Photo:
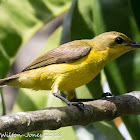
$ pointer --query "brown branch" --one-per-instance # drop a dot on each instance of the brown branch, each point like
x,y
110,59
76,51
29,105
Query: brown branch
x,y
54,118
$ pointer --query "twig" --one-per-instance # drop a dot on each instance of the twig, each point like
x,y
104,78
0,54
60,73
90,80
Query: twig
x,y
56,117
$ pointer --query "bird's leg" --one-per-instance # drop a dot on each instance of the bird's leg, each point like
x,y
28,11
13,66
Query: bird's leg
x,y
55,91
77,104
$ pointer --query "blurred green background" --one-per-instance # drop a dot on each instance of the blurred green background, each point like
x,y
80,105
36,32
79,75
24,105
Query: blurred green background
x,y
20,20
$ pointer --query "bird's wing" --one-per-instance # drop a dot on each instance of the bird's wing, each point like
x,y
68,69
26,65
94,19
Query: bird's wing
x,y
62,54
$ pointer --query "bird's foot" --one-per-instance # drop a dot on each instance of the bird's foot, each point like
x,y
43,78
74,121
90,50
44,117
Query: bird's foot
x,y
107,95
79,105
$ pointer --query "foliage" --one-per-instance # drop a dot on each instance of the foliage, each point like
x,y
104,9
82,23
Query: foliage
x,y
19,20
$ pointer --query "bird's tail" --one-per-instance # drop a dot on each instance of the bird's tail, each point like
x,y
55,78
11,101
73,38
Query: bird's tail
x,y
5,81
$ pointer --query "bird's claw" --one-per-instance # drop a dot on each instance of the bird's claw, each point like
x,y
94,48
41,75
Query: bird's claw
x,y
79,105
107,95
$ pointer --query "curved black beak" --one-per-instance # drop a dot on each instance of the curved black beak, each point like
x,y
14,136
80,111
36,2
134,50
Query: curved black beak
x,y
135,45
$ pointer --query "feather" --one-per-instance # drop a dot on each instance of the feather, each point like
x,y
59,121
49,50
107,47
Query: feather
x,y
62,54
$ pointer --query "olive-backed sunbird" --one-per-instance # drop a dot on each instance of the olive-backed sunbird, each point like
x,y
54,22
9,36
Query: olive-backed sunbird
x,y
72,64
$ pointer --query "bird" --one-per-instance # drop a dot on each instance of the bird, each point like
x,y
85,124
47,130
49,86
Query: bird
x,y
71,65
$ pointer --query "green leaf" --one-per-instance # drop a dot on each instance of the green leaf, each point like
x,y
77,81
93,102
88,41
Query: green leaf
x,y
66,32
135,10
122,73
109,129
29,100
19,20
89,132
17,25
84,20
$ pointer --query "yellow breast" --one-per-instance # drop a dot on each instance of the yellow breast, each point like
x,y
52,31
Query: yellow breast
x,y
82,71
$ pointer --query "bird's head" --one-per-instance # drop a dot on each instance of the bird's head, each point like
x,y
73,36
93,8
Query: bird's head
x,y
115,43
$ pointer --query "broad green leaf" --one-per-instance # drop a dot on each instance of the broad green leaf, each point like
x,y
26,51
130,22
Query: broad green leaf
x,y
66,32
29,100
52,42
122,73
109,129
19,20
84,20
89,132
135,11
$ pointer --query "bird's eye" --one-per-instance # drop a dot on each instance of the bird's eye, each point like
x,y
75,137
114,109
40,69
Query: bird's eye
x,y
119,40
